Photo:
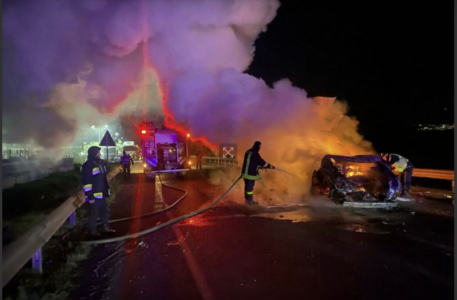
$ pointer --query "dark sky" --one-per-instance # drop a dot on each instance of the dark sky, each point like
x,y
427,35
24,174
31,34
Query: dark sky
x,y
393,64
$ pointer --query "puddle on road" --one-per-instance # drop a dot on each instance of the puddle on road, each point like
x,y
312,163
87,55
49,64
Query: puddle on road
x,y
335,217
359,228
294,216
286,205
294,213
208,221
401,199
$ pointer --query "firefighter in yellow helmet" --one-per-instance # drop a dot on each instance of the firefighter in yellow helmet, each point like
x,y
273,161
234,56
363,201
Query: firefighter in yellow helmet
x,y
405,169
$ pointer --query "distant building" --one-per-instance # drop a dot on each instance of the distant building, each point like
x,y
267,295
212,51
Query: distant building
x,y
25,151
435,127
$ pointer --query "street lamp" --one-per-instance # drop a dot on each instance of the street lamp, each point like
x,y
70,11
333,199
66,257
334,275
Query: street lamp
x,y
82,148
187,147
99,131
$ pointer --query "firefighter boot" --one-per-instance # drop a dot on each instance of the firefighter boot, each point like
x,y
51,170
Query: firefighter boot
x,y
94,235
107,229
252,202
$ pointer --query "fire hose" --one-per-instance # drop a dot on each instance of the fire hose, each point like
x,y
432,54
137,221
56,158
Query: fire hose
x,y
160,226
168,223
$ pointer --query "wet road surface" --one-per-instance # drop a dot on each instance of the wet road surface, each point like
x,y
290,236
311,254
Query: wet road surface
x,y
315,250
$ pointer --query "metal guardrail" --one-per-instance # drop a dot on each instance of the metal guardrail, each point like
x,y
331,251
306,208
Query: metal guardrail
x,y
423,173
28,246
220,160
435,174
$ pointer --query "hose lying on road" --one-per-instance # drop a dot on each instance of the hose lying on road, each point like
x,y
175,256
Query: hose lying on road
x,y
155,228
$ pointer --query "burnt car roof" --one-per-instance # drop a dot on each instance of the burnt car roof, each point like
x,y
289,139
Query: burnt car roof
x,y
328,166
356,158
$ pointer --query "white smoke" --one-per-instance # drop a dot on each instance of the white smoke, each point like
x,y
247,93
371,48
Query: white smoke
x,y
194,54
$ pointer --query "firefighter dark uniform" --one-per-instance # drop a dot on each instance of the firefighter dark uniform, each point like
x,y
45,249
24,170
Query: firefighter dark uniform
x,y
405,169
125,161
96,190
250,171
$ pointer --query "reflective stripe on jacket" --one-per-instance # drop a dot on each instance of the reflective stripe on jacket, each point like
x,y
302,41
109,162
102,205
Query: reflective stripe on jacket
x,y
399,162
125,159
93,178
251,164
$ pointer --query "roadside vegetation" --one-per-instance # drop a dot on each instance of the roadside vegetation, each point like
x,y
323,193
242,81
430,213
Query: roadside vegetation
x,y
61,260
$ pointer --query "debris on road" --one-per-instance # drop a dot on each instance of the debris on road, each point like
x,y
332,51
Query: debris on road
x,y
179,241
143,244
370,204
401,199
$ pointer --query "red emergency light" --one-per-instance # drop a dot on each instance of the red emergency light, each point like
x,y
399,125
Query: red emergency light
x,y
143,131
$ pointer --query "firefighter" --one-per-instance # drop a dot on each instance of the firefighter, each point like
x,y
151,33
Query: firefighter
x,y
405,169
199,156
96,190
250,171
125,162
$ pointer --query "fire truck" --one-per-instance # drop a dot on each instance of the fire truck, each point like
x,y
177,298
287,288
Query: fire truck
x,y
163,150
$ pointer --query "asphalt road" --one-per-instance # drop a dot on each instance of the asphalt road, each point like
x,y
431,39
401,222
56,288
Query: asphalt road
x,y
316,250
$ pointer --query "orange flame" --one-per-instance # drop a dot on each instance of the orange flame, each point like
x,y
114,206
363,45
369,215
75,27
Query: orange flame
x,y
353,171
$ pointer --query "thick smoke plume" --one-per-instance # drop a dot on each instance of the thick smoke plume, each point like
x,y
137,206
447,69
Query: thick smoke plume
x,y
73,63
64,70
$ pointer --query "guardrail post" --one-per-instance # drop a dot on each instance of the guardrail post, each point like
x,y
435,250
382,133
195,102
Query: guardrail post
x,y
72,219
29,245
37,263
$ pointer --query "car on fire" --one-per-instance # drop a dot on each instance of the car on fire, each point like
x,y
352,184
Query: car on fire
x,y
355,178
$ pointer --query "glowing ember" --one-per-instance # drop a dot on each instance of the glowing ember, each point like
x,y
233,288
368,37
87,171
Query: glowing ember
x,y
353,171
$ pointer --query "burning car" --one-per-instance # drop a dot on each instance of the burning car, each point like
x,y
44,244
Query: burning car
x,y
355,178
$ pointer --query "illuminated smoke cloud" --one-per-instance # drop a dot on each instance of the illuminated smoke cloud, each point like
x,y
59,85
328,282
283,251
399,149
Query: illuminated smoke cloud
x,y
72,63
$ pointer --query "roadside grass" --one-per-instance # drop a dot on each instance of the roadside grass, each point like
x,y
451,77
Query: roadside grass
x,y
61,261
39,195
26,205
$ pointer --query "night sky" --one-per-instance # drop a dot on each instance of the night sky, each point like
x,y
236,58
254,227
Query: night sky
x,y
393,65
